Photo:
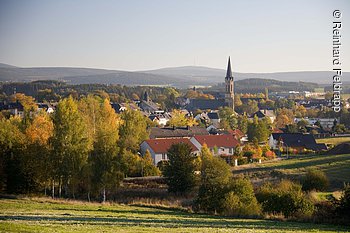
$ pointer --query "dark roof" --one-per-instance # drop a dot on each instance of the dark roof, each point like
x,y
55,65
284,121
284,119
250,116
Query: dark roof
x,y
264,113
177,132
204,104
213,115
13,105
299,140
162,145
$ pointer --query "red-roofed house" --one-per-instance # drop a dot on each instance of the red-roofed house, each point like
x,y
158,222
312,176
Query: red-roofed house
x,y
159,147
225,143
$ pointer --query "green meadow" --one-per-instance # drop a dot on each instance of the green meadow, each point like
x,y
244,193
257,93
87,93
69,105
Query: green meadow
x,y
45,215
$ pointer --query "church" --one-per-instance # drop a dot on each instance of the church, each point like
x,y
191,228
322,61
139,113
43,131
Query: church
x,y
215,104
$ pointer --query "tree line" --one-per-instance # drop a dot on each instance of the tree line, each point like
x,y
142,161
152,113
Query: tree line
x,y
83,149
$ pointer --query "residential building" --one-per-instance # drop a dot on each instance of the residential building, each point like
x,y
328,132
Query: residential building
x,y
159,147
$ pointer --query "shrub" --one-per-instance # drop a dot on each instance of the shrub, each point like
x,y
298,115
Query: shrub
x,y
315,180
344,204
241,200
270,154
285,197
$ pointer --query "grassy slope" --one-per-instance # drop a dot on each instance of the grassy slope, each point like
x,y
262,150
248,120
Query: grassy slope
x,y
336,167
334,141
43,215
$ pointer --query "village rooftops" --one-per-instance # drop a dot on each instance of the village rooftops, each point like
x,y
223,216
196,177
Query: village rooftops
x,y
177,132
222,140
163,145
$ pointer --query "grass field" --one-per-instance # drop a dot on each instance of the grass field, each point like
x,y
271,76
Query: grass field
x,y
334,141
336,167
46,215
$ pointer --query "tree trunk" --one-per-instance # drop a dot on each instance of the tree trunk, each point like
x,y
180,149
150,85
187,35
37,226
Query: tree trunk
x,y
89,196
60,188
53,189
104,195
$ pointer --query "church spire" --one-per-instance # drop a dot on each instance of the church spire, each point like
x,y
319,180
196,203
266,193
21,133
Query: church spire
x,y
229,71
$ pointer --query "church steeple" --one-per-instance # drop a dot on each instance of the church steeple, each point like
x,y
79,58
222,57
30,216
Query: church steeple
x,y
229,85
229,71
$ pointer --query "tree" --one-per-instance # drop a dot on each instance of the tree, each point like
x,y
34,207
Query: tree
x,y
258,130
12,143
215,177
104,158
39,155
180,170
315,180
70,144
148,168
133,130
243,123
178,119
228,118
241,200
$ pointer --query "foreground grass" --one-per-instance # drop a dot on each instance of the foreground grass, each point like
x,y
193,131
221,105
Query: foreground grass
x,y
43,215
336,167
334,141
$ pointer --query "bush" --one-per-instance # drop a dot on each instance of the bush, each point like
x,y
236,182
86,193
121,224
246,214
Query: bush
x,y
315,180
240,200
285,197
344,204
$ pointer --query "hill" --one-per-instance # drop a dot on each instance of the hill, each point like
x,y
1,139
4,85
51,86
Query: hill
x,y
181,77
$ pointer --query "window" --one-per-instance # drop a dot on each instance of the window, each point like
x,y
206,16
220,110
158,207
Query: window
x,y
230,151
163,156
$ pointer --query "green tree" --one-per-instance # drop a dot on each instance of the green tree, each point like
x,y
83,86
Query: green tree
x,y
133,130
228,118
258,130
215,178
148,168
241,200
180,170
104,158
70,144
243,123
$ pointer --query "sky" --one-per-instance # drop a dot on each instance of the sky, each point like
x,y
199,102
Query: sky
x,y
134,35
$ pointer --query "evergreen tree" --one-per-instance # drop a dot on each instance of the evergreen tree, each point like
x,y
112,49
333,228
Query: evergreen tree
x,y
180,170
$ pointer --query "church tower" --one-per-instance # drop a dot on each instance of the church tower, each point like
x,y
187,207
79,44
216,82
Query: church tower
x,y
229,93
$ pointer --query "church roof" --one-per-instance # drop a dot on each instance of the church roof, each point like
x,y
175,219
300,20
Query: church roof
x,y
229,71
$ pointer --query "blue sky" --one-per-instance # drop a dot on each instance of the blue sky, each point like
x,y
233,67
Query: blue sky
x,y
260,36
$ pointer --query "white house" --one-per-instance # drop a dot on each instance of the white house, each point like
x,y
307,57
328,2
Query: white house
x,y
159,147
225,144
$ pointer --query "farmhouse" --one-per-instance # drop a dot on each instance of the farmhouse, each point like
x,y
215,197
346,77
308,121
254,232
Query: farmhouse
x,y
261,114
296,141
159,147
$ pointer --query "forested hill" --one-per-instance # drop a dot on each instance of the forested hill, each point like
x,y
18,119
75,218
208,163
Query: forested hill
x,y
180,77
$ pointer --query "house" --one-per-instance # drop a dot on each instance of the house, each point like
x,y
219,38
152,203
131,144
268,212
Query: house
x,y
326,123
214,119
160,119
14,108
261,114
121,107
222,144
297,141
177,132
159,147
45,107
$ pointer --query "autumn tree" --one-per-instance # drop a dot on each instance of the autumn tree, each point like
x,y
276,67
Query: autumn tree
x,y
70,144
133,130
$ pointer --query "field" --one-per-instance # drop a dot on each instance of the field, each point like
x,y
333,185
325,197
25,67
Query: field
x,y
336,168
46,215
334,141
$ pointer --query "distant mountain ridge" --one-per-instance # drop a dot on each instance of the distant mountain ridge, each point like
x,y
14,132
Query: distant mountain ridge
x,y
181,77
